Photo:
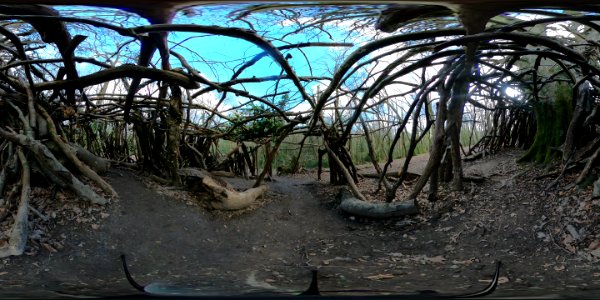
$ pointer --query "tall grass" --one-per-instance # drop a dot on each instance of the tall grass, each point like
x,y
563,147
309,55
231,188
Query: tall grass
x,y
357,146
289,149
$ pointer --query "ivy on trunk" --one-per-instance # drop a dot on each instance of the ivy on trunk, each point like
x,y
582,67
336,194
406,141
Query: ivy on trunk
x,y
552,120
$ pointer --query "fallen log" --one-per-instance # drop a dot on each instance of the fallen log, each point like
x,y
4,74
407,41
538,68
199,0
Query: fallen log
x,y
377,210
99,164
228,199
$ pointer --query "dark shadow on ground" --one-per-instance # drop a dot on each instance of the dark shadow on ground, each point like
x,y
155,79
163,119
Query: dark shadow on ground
x,y
275,246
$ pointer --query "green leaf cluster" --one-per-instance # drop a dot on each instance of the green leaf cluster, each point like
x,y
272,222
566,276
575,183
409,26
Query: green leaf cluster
x,y
255,122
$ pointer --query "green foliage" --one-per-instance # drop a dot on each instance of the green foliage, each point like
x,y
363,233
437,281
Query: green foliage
x,y
469,135
357,147
255,122
288,153
224,146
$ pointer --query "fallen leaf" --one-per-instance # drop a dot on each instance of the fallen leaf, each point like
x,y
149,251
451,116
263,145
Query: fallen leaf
x,y
503,280
444,229
95,226
596,252
571,248
559,268
594,245
454,237
464,262
58,245
380,276
436,259
49,248
567,243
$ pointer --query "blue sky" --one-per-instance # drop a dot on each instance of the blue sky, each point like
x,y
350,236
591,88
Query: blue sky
x,y
230,52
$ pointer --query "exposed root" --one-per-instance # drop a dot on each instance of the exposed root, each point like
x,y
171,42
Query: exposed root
x,y
18,234
53,168
70,154
228,199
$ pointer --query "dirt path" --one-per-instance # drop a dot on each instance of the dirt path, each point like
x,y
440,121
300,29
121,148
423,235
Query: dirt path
x,y
299,229
417,164
165,239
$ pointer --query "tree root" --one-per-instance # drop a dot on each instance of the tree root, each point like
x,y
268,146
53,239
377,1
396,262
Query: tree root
x,y
67,150
227,199
588,166
53,168
18,234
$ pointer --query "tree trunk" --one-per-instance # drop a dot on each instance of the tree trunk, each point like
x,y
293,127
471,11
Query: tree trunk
x,y
391,192
271,155
174,120
579,113
249,162
437,148
335,161
99,164
320,154
552,120
337,171
145,143
460,95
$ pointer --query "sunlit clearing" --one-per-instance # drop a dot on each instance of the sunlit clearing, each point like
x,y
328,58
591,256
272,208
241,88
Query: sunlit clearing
x,y
512,92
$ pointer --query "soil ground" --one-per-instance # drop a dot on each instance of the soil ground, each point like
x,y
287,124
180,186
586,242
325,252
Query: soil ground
x,y
451,248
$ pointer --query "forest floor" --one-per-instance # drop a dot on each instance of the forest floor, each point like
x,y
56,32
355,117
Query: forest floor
x,y
546,240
